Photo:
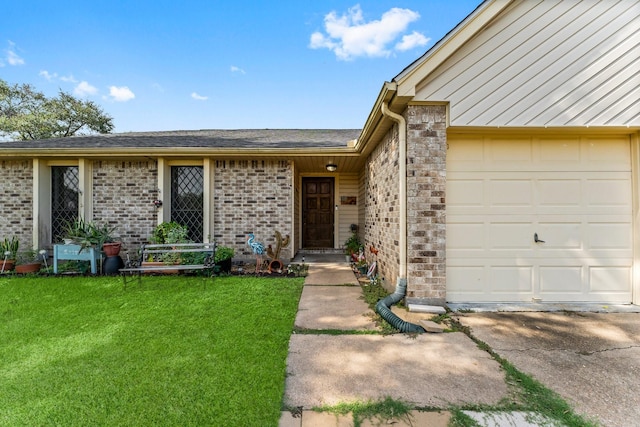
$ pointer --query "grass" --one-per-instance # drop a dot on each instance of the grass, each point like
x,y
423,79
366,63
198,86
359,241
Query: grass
x,y
371,294
186,351
385,411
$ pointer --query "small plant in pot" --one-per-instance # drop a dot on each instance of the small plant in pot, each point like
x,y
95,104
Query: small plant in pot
x,y
223,258
28,262
8,252
352,247
167,233
88,234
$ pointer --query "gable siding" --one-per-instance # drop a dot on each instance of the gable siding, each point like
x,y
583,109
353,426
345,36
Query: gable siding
x,y
546,63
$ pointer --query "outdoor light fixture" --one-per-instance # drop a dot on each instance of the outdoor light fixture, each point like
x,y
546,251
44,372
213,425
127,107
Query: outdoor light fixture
x,y
331,167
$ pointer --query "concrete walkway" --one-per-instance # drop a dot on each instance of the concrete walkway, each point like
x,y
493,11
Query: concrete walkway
x,y
428,370
590,359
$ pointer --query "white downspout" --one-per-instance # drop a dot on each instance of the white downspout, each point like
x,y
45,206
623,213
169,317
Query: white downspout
x,y
402,175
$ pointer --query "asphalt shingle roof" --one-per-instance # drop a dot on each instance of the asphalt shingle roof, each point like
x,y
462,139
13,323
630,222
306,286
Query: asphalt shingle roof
x,y
240,138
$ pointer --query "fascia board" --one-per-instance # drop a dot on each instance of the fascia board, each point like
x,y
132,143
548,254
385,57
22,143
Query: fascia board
x,y
173,152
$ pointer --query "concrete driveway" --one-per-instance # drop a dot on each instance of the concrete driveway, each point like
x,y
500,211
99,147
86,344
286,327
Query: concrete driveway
x,y
591,359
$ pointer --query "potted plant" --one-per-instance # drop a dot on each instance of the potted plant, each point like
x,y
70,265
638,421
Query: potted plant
x,y
88,234
8,252
28,262
167,233
352,246
223,257
362,266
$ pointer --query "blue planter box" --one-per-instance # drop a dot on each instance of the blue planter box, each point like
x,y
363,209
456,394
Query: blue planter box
x,y
73,252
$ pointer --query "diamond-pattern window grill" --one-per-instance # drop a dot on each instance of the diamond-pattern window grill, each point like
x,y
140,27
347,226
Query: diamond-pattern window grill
x,y
64,198
187,199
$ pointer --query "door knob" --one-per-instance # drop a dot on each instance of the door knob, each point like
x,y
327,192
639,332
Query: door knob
x,y
535,238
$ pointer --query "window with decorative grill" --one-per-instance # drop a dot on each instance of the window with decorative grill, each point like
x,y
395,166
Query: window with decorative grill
x,y
187,199
64,198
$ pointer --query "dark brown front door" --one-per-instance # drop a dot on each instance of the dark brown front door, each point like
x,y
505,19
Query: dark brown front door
x,y
317,212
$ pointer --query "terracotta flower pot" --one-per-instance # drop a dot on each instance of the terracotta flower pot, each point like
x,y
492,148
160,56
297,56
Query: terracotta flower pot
x,y
111,249
32,267
8,264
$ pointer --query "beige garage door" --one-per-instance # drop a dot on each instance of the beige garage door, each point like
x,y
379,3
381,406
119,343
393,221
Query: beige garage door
x,y
572,194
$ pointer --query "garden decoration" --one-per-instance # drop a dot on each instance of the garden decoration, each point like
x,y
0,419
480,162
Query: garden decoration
x,y
43,253
276,263
257,248
4,262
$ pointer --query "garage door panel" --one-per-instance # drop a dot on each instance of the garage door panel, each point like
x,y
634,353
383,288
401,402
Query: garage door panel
x,y
610,280
609,236
609,193
509,152
574,193
510,193
607,153
508,280
561,151
466,236
478,281
470,279
465,193
509,236
560,235
570,276
559,193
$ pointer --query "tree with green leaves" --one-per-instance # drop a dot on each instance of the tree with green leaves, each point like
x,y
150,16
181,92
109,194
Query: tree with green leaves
x,y
26,114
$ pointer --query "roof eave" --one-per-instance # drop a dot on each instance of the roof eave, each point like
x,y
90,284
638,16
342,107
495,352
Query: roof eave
x,y
154,152
401,91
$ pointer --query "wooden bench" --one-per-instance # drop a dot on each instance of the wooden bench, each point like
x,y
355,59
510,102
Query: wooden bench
x,y
166,253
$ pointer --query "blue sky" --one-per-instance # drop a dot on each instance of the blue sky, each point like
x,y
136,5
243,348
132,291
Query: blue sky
x,y
243,64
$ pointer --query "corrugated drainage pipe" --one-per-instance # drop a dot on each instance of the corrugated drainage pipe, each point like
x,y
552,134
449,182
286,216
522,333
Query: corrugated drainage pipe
x,y
383,309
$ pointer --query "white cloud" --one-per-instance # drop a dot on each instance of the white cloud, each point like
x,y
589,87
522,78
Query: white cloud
x,y
235,69
121,94
11,56
199,97
412,40
349,36
47,75
54,76
84,89
68,78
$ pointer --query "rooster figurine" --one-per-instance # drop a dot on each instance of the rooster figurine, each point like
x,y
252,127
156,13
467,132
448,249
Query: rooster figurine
x,y
258,250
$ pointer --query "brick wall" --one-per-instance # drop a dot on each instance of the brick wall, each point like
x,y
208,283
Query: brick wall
x,y
16,208
382,207
252,196
426,185
123,195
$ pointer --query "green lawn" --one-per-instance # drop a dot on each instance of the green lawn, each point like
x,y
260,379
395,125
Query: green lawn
x,y
78,351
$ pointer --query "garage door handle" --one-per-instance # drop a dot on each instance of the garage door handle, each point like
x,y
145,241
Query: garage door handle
x,y
535,238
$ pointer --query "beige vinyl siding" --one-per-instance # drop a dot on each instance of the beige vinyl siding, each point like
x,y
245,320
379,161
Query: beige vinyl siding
x,y
347,214
546,63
